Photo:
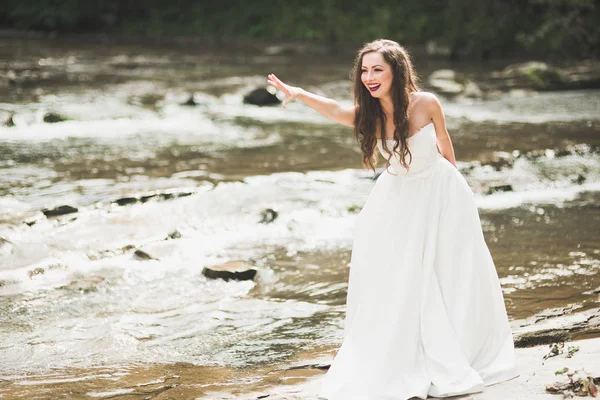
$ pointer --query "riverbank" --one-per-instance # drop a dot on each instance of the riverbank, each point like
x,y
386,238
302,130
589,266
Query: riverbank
x,y
295,381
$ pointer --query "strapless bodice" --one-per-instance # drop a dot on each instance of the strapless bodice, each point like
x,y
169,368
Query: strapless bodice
x,y
423,148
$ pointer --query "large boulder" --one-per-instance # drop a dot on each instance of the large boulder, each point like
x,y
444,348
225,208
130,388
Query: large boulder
x,y
235,270
531,75
261,97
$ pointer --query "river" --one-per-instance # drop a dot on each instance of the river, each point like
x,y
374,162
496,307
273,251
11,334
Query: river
x,y
79,312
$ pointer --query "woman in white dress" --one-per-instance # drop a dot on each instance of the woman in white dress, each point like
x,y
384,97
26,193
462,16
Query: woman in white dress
x,y
425,314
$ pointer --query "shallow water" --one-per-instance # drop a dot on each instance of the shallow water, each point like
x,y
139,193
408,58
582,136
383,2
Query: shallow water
x,y
77,306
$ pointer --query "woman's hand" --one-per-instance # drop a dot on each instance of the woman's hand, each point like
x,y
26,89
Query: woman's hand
x,y
291,92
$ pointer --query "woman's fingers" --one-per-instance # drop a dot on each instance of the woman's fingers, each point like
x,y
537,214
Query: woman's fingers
x,y
278,84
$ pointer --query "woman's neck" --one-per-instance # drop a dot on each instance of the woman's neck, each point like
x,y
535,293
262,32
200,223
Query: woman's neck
x,y
388,106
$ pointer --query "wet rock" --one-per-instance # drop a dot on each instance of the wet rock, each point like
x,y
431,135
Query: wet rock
x,y
198,100
543,337
189,102
33,220
174,235
584,75
126,201
310,366
35,272
261,97
52,118
146,100
267,216
9,122
6,246
579,179
502,161
235,270
445,82
165,196
562,328
98,255
472,90
354,209
532,74
500,188
535,154
143,256
60,210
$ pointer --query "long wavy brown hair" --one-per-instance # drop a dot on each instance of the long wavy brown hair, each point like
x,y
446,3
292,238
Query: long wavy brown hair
x,y
369,120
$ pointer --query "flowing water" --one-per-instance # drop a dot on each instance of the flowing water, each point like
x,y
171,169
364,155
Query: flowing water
x,y
80,314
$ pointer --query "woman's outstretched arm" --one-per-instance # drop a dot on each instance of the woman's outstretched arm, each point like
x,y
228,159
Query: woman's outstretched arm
x,y
327,107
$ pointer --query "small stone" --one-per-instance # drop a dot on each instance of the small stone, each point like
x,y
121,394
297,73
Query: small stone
x,y
174,235
142,256
235,270
268,215
60,210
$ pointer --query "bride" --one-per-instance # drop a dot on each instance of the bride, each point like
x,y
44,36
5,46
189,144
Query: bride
x,y
425,314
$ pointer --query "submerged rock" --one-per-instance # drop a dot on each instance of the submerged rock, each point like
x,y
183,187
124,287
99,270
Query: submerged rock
x,y
261,97
267,216
60,210
235,270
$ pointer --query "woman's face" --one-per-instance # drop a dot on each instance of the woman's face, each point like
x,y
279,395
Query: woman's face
x,y
376,74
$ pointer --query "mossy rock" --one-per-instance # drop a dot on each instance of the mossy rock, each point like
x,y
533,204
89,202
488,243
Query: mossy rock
x,y
538,338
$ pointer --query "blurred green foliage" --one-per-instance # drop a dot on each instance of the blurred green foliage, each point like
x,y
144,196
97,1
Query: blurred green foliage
x,y
481,28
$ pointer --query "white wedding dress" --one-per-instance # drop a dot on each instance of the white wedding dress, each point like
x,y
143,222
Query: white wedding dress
x,y
425,313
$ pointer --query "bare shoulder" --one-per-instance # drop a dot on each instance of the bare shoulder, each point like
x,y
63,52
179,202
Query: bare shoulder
x,y
426,99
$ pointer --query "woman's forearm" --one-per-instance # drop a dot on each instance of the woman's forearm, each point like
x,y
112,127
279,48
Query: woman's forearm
x,y
446,149
327,107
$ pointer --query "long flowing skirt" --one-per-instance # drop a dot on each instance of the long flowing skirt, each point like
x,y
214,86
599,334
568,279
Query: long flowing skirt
x,y
425,311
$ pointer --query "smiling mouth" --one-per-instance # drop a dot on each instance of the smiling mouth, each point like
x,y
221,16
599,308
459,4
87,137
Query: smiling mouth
x,y
373,88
